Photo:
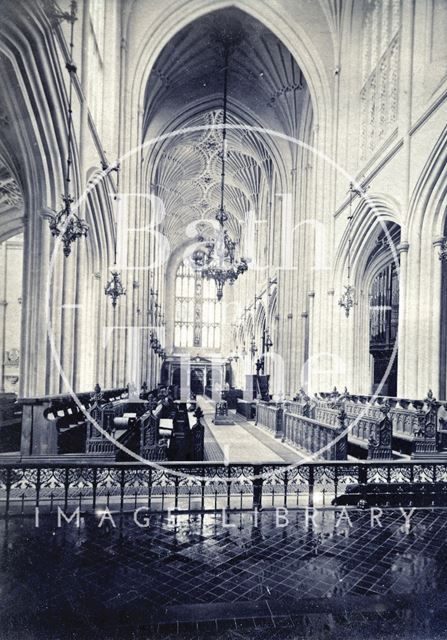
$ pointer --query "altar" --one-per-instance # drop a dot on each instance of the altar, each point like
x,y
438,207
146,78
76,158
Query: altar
x,y
196,375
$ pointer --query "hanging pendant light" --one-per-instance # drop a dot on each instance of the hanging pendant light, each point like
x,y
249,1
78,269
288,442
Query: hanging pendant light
x,y
66,224
347,300
115,288
268,342
219,263
253,347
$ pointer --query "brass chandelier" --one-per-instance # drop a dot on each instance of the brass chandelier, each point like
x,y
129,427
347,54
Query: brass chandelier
x,y
216,260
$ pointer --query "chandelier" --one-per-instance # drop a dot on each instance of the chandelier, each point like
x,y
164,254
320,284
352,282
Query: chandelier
x,y
217,260
253,347
114,287
66,224
268,342
347,300
443,250
157,347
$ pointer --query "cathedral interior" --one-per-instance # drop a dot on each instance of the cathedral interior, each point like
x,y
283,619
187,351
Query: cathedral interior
x,y
223,319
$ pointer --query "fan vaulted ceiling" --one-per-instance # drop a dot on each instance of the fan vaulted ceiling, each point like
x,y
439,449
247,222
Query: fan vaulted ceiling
x,y
184,95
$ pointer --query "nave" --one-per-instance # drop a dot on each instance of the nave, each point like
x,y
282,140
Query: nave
x,y
223,345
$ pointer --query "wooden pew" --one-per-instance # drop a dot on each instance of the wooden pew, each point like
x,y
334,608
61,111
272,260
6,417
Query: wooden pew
x,y
10,423
57,425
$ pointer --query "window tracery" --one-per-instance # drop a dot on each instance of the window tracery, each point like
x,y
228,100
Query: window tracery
x,y
197,312
380,55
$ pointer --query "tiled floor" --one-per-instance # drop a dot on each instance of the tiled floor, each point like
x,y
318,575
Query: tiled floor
x,y
193,577
212,451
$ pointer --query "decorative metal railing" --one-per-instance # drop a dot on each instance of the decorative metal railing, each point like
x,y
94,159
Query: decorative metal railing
x,y
199,486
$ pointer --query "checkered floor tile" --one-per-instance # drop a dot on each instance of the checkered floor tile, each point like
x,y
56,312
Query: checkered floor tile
x,y
193,577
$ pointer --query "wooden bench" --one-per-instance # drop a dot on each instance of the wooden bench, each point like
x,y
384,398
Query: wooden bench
x,y
327,441
10,423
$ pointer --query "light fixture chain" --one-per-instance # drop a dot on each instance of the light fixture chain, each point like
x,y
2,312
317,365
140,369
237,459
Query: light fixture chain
x,y
66,224
71,68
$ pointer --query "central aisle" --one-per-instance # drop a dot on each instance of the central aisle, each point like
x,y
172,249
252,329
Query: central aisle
x,y
236,443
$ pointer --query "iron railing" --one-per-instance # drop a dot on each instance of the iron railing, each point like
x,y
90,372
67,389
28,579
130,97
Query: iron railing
x,y
198,486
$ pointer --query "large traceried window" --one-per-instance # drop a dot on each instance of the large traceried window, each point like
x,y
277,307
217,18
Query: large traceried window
x,y
380,60
197,312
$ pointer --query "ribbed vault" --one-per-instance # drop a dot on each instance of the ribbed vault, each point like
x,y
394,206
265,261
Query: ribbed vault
x,y
184,98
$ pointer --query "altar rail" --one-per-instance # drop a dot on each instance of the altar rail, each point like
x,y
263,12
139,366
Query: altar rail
x,y
200,486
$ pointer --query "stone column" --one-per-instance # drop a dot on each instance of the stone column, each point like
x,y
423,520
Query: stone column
x,y
3,305
82,282
408,329
435,334
290,361
312,382
402,326
35,364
